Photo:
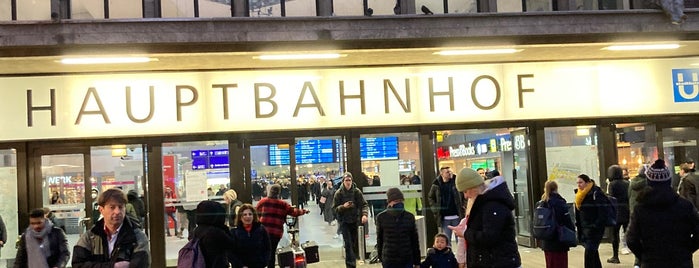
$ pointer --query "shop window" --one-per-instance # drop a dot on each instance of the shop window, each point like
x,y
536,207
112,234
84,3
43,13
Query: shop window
x,y
212,9
463,6
9,206
192,172
63,191
680,146
636,145
266,8
571,151
185,8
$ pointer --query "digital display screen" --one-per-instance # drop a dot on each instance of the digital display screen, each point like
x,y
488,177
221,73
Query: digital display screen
x,y
209,159
379,148
307,152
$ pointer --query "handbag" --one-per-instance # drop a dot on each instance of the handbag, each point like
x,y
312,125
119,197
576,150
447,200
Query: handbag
x,y
567,236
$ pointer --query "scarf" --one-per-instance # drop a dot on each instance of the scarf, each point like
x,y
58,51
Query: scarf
x,y
36,248
580,195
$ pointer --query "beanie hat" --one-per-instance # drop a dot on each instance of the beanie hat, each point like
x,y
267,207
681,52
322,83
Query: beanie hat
x,y
467,179
658,172
211,213
394,194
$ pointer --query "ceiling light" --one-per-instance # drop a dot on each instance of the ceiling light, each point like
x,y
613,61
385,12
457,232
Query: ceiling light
x,y
642,47
97,60
477,51
299,56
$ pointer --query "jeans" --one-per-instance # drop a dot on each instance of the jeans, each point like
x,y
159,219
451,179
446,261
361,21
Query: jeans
x,y
448,231
349,237
175,222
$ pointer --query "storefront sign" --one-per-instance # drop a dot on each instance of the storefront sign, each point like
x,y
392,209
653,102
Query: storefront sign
x,y
109,105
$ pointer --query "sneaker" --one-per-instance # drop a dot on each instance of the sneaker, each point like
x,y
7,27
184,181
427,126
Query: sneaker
x,y
336,236
613,260
625,251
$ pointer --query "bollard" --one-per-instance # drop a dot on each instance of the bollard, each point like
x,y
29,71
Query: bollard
x,y
361,243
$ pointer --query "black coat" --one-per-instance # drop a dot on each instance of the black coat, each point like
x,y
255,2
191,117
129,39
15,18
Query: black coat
x,y
251,249
216,244
58,243
664,229
439,259
491,230
588,218
396,237
619,188
563,218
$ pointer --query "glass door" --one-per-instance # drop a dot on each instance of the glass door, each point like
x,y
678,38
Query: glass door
x,y
680,146
520,185
270,163
60,177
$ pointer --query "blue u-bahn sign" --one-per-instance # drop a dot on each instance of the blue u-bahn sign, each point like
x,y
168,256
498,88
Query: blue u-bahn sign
x,y
685,85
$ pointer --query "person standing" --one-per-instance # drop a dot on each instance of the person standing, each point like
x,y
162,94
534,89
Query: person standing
x,y
396,234
230,197
637,186
326,202
273,212
42,244
215,240
351,210
689,185
252,246
170,211
589,200
664,229
555,252
490,235
113,231
446,202
619,189
3,234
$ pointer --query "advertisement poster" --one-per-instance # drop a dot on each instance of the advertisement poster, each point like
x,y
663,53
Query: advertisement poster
x,y
195,185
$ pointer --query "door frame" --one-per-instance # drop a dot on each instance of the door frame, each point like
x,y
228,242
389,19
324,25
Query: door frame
x,y
247,165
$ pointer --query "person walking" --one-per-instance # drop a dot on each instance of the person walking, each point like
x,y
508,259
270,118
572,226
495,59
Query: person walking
x,y
215,240
637,186
396,234
252,246
589,200
491,235
326,203
351,210
618,188
446,202
113,231
273,212
42,244
664,229
555,252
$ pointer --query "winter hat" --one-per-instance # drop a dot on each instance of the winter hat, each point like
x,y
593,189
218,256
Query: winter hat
x,y
467,179
658,172
615,173
394,194
211,213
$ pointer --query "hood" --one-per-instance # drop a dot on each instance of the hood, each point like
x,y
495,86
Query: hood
x,y
132,195
615,173
211,213
638,183
659,197
497,190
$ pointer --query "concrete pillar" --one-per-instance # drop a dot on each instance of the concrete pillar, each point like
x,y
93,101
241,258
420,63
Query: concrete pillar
x,y
407,7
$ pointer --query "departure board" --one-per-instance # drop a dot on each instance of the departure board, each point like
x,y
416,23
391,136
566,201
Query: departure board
x,y
307,152
379,148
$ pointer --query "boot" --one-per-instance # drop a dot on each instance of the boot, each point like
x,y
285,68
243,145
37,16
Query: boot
x,y
614,259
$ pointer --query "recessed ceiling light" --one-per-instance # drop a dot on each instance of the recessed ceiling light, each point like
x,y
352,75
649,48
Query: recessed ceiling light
x,y
299,56
477,51
642,47
106,60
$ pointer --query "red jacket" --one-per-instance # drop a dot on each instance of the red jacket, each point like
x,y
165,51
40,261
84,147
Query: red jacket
x,y
273,214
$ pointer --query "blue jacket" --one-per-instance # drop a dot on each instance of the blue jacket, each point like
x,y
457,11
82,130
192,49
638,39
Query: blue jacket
x,y
251,249
439,259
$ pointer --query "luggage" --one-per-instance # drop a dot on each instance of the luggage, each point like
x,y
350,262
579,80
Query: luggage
x,y
311,250
291,257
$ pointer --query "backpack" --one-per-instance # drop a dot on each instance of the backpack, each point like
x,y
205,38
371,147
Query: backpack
x,y
544,225
191,256
609,207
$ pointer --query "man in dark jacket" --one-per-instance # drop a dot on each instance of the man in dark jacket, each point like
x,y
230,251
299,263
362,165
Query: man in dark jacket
x,y
619,189
396,233
446,202
490,235
351,210
664,229
113,241
42,244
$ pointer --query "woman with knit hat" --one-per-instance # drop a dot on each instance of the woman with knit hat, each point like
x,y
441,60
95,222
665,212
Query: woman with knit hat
x,y
490,236
589,202
664,228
